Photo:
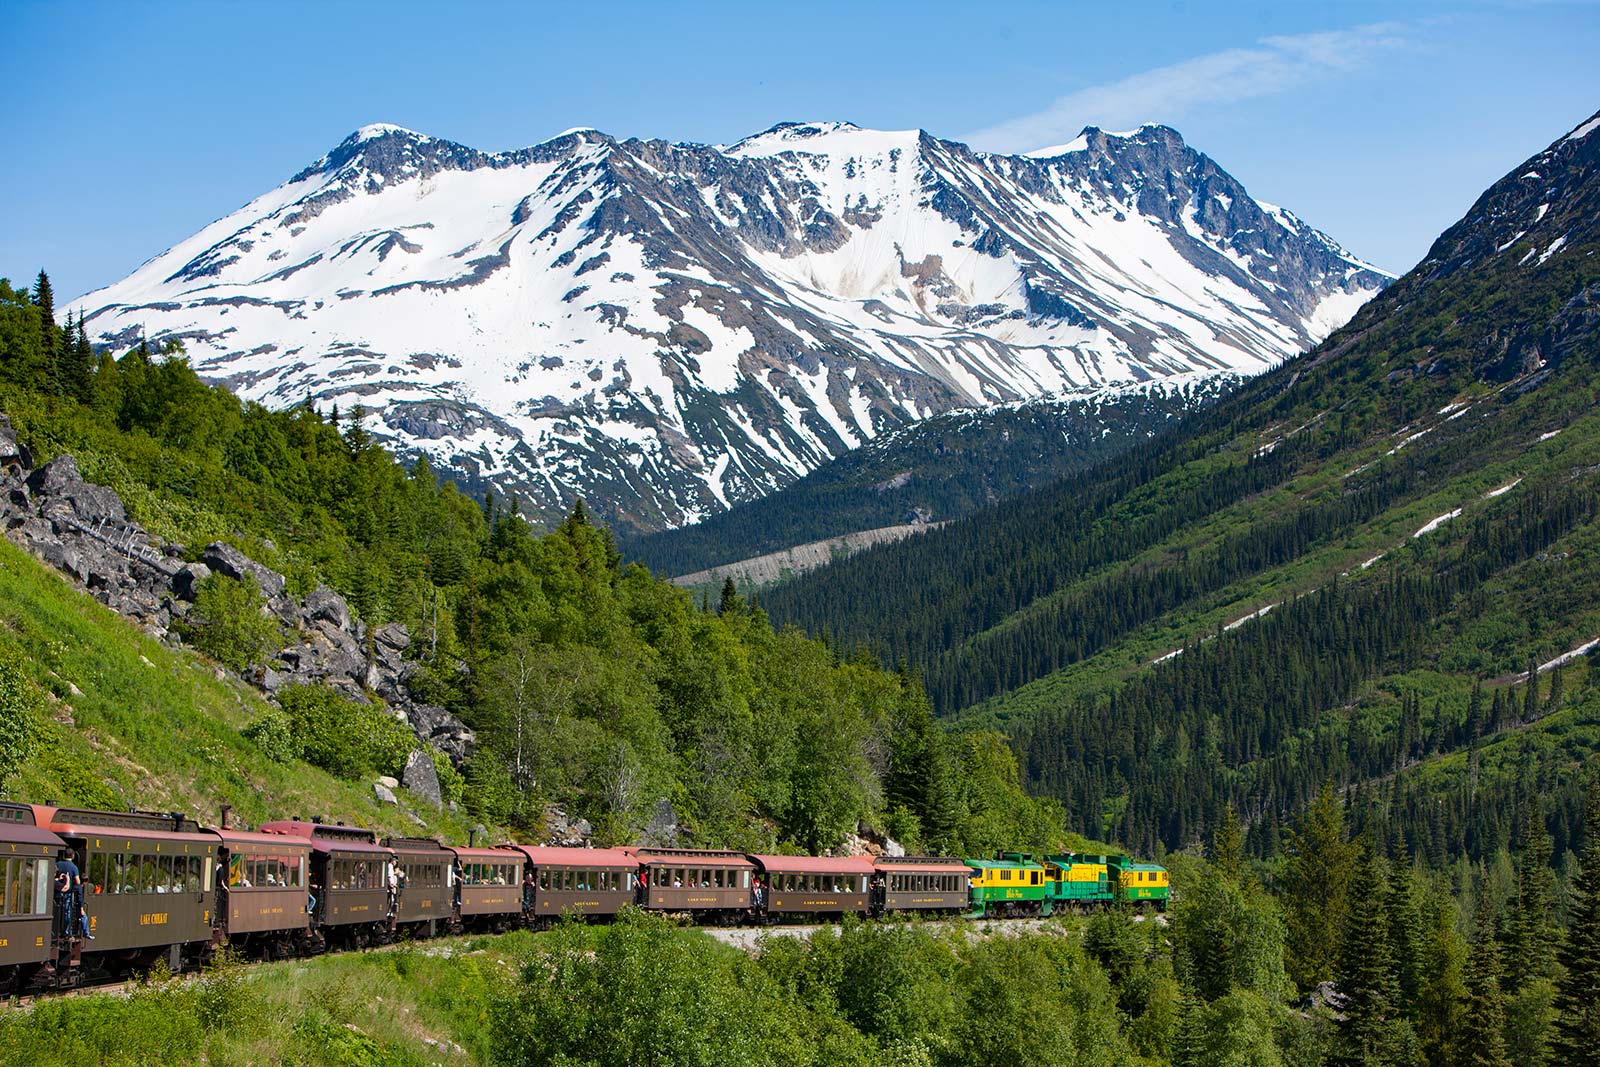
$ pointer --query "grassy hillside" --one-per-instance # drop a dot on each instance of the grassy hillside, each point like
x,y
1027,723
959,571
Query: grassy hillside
x,y
1311,579
124,721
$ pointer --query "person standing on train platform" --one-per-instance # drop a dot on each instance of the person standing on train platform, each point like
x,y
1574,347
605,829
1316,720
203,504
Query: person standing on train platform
x,y
69,893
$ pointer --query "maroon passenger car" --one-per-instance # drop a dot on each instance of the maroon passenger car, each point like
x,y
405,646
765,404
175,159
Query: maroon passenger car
x,y
147,884
922,883
705,883
813,885
589,881
488,887
347,880
423,900
263,891
27,866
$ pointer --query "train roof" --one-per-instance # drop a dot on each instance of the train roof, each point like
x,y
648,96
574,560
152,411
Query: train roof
x,y
415,845
326,837
136,825
235,838
815,864
1008,865
20,833
497,855
552,856
923,864
690,857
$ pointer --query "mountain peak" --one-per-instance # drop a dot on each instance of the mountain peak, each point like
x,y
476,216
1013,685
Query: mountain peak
x,y
823,138
1095,137
668,329
374,130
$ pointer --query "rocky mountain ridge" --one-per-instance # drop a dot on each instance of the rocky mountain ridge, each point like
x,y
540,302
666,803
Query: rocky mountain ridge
x,y
667,330
83,531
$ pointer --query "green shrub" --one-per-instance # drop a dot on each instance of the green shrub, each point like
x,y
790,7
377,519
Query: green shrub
x,y
273,734
228,622
344,737
19,717
451,783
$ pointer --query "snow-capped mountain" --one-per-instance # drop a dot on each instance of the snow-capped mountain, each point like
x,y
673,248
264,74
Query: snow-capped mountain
x,y
669,329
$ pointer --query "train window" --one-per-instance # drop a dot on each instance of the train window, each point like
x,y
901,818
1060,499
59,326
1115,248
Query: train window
x,y
544,878
11,880
17,875
97,878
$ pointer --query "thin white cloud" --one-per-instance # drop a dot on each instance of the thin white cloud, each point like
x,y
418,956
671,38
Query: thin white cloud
x,y
1167,94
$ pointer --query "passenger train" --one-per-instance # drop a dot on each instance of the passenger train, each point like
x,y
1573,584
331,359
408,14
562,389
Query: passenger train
x,y
161,888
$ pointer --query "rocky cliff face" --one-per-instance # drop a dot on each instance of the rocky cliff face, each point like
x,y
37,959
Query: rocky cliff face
x,y
83,531
670,329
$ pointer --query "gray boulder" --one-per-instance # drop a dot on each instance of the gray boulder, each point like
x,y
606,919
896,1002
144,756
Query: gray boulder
x,y
94,504
393,635
384,794
186,583
323,604
225,559
422,778
12,453
57,478
663,829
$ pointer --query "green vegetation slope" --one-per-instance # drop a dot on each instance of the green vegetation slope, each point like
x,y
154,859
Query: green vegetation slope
x,y
1312,579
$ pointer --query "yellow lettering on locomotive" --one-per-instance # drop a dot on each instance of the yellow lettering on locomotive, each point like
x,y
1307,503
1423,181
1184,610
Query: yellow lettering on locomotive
x,y
153,918
5,942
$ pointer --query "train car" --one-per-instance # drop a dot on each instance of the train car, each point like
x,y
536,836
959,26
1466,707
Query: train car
x,y
423,901
1145,884
1011,884
709,884
921,883
263,895
347,881
1077,881
585,881
29,951
812,885
147,885
489,888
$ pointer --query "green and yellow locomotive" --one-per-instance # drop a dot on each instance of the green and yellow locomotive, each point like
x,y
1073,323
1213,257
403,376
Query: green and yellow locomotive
x,y
1014,883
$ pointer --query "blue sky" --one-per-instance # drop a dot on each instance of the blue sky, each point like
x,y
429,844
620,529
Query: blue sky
x,y
132,125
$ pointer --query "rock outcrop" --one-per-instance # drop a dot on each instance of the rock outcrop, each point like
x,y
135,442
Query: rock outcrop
x,y
83,530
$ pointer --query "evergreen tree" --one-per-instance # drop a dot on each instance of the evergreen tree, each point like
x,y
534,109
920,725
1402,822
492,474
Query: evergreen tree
x,y
1482,1040
1367,1035
44,298
1532,932
1227,847
1405,929
47,380
1439,1003
79,366
731,602
1316,881
1576,1042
